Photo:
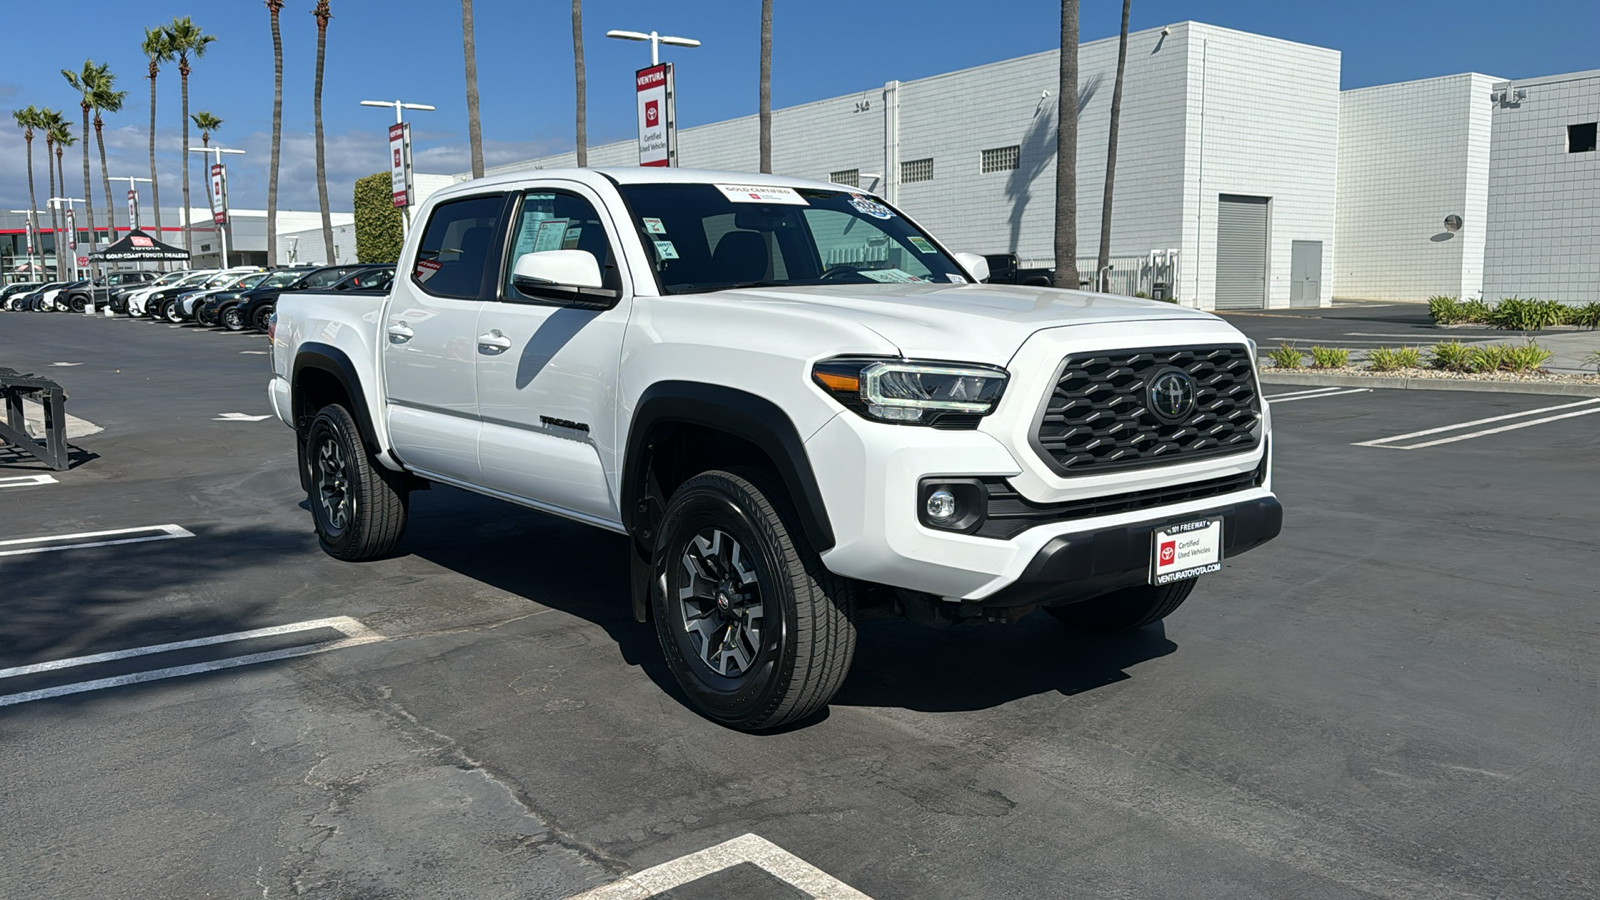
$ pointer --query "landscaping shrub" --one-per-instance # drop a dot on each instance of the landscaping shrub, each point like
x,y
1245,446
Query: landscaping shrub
x,y
1452,356
1587,315
1527,358
1329,358
378,229
1593,359
1389,359
1527,314
1286,357
1486,357
1445,310
1477,312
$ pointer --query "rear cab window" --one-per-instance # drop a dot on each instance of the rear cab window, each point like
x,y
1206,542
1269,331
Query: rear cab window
x,y
456,247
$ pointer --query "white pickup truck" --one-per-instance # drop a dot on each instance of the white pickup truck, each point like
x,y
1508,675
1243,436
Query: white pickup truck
x,y
798,404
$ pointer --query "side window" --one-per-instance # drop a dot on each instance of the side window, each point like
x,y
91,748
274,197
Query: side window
x,y
455,247
549,220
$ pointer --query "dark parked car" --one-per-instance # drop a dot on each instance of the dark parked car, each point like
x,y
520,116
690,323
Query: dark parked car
x,y
223,308
100,292
373,280
1004,268
34,299
255,307
17,290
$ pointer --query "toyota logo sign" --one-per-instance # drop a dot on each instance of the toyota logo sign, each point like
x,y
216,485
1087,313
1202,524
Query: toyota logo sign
x,y
1172,395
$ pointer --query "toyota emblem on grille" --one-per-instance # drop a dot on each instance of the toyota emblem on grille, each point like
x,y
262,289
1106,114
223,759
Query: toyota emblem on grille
x,y
1172,395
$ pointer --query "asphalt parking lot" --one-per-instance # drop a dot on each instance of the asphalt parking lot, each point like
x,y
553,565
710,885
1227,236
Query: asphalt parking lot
x,y
1397,698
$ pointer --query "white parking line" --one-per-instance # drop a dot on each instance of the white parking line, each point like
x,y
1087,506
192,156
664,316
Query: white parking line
x,y
1291,399
750,848
240,417
27,481
1388,443
1305,393
354,633
160,533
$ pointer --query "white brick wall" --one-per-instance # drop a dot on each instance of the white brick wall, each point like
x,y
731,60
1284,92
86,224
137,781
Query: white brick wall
x,y
1544,203
1269,121
1409,155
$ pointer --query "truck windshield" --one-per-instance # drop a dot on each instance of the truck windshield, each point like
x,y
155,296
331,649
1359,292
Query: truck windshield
x,y
709,237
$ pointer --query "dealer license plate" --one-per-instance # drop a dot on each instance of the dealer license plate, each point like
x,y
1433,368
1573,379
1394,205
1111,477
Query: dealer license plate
x,y
1186,551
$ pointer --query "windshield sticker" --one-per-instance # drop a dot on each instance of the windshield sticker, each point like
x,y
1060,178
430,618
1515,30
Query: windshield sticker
x,y
427,268
869,207
570,242
654,226
551,231
892,276
921,244
665,250
956,279
761,193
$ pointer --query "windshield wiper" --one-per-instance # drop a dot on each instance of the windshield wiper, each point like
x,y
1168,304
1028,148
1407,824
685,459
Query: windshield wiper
x,y
720,286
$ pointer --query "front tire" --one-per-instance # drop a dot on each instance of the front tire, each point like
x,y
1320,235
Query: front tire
x,y
78,303
357,505
233,319
1125,610
172,312
755,629
261,319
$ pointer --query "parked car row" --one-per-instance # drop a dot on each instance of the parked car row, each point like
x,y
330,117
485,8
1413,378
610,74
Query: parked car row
x,y
236,299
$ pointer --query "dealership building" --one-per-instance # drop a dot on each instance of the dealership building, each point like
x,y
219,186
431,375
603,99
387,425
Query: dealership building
x,y
1244,179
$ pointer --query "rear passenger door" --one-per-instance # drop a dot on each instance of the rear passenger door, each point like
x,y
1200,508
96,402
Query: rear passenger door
x,y
547,373
427,346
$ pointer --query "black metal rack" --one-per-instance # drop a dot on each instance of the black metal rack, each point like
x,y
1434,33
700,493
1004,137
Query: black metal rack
x,y
14,430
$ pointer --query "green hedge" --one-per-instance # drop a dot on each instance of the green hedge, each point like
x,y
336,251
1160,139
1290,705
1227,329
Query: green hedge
x,y
378,232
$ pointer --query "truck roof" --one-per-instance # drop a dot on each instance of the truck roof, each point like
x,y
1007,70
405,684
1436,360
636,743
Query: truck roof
x,y
648,175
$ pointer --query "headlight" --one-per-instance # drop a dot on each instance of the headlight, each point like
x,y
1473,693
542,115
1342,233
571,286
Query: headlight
x,y
908,392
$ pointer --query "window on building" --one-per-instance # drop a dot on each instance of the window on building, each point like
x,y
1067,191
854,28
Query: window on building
x,y
916,170
1581,138
1001,159
848,177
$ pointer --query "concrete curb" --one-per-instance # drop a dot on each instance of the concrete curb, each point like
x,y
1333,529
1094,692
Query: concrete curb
x,y
1399,382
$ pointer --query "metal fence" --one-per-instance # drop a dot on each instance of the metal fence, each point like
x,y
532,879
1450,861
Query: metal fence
x,y
1134,275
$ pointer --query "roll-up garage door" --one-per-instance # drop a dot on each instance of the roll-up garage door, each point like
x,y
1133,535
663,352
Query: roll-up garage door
x,y
1241,252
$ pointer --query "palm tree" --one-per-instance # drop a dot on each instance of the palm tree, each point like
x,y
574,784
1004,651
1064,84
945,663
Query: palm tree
x,y
61,133
106,98
83,83
474,127
766,85
159,50
323,14
1111,153
29,119
1067,151
187,40
49,120
274,7
583,83
207,123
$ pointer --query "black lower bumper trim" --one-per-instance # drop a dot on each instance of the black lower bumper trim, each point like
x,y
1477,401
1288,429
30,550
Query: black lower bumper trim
x,y
1075,567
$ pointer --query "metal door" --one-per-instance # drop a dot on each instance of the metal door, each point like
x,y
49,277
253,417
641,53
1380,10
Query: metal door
x,y
1305,273
1241,252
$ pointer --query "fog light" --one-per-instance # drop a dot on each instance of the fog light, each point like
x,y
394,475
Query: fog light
x,y
941,506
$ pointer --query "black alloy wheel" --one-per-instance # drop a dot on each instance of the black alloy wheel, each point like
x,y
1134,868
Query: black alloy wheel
x,y
261,319
755,629
78,303
357,506
233,319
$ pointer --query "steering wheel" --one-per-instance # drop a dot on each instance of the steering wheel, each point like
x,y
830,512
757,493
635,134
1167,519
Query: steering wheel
x,y
840,269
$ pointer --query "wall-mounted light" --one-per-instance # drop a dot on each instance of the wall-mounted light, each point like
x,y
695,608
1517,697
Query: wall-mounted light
x,y
1452,223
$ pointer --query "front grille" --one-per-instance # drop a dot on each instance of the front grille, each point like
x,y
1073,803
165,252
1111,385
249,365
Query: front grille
x,y
1098,417
1009,515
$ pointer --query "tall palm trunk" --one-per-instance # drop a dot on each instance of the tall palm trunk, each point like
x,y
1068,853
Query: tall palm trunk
x,y
474,127
188,219
105,180
582,81
88,184
155,185
61,243
323,14
766,85
55,233
274,7
1111,155
33,201
1066,243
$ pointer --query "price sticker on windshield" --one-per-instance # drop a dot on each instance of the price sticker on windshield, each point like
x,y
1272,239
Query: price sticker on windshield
x,y
762,193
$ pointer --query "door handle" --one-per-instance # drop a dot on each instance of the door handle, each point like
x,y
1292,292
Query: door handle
x,y
400,332
494,342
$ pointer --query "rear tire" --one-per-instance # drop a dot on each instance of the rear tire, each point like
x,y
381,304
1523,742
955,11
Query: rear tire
x,y
259,320
78,303
171,312
1125,610
357,505
755,629
233,319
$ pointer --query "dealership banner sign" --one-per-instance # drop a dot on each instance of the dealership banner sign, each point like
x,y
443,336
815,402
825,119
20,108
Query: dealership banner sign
x,y
400,180
658,127
72,230
219,194
133,208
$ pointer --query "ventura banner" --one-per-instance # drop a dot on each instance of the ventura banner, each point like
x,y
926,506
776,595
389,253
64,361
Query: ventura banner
x,y
657,125
400,163
219,193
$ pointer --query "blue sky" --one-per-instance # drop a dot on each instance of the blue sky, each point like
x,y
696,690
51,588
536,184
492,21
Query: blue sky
x,y
411,49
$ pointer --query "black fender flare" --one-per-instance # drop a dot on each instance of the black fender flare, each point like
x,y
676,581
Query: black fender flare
x,y
330,359
741,414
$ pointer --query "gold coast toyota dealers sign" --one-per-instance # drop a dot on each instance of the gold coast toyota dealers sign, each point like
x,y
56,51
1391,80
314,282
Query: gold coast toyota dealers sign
x,y
657,134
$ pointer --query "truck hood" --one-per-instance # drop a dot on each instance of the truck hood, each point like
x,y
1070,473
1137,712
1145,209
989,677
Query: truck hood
x,y
969,322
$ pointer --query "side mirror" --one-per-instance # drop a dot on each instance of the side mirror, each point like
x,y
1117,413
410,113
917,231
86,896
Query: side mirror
x,y
566,277
974,264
